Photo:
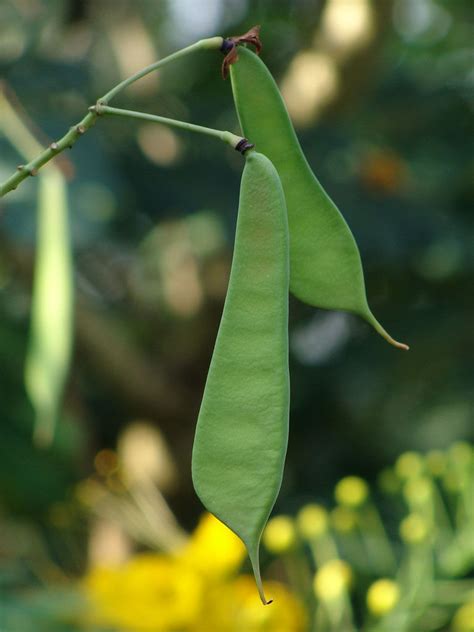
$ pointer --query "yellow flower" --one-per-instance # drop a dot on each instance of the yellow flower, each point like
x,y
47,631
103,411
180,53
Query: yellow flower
x,y
214,550
409,465
382,596
90,492
102,588
236,607
463,620
414,529
352,491
279,535
436,462
454,481
332,580
418,491
312,521
150,593
106,462
343,519
460,453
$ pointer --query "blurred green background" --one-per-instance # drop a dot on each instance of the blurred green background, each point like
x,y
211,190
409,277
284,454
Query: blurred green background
x,y
381,96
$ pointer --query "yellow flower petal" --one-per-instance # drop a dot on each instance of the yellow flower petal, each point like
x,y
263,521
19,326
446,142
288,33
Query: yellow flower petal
x,y
463,620
279,535
213,549
414,529
351,491
332,580
312,521
382,596
461,453
236,607
152,590
418,491
409,464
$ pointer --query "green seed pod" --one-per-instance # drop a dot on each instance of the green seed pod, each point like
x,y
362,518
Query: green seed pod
x,y
50,342
326,270
242,430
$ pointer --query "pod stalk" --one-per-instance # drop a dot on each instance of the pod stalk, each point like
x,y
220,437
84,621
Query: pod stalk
x,y
236,142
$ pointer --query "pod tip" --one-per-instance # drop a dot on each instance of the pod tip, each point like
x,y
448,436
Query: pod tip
x,y
266,602
399,345
395,343
378,327
254,559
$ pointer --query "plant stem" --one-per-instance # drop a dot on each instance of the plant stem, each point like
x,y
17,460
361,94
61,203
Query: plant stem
x,y
76,131
227,137
205,44
32,167
379,549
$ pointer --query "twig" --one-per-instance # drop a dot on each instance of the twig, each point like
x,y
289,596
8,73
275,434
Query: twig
x,y
76,131
227,137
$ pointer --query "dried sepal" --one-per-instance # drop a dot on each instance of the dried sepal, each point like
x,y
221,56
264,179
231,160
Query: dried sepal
x,y
229,47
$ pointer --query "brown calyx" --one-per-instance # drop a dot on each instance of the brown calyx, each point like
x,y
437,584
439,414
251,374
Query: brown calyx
x,y
229,47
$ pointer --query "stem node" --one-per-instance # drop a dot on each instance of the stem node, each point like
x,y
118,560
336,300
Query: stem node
x,y
244,145
76,131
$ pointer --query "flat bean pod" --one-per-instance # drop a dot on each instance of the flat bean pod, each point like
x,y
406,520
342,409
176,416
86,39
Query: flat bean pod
x,y
50,340
325,265
242,430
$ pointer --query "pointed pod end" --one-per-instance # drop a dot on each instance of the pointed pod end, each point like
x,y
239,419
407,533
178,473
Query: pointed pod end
x,y
392,341
401,345
254,559
379,329
264,600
